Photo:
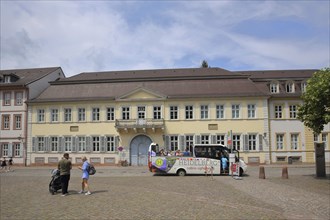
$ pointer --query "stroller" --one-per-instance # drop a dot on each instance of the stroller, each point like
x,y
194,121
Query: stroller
x,y
55,183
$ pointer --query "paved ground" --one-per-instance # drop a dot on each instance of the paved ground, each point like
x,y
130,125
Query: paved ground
x,y
134,193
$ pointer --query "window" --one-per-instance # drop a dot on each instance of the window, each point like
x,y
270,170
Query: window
x,y
18,98
274,87
5,122
7,79
279,141
67,114
204,112
189,112
141,112
236,142
41,115
81,114
95,114
303,86
7,98
251,111
173,143
17,122
110,143
17,149
96,144
235,111
220,111
294,141
41,143
189,141
54,115
220,139
205,139
325,140
54,144
125,113
252,141
5,149
67,143
289,87
316,138
157,112
278,111
81,144
110,114
174,112
293,111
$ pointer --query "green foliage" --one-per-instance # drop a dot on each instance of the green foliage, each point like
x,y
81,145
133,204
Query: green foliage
x,y
315,111
204,64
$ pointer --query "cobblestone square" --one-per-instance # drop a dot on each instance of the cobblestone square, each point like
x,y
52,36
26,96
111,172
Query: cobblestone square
x,y
135,193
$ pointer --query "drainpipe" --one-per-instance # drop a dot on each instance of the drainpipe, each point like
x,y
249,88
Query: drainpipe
x,y
26,130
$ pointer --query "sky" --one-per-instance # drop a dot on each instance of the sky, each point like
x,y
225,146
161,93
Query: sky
x,y
90,36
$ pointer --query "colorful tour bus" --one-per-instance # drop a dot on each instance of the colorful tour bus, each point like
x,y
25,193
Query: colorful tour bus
x,y
202,159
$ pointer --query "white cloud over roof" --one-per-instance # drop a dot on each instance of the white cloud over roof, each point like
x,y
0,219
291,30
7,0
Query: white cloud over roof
x,y
113,35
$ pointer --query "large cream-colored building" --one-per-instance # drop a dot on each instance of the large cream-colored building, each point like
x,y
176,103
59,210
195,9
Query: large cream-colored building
x,y
114,116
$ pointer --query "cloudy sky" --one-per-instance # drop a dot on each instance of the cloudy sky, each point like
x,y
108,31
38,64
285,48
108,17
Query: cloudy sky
x,y
83,36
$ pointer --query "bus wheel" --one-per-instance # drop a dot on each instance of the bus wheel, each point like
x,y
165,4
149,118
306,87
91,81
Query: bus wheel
x,y
240,171
181,172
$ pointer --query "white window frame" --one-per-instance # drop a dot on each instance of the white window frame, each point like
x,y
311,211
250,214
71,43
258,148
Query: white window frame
x,y
54,115
125,112
174,142
174,112
67,115
40,115
274,87
110,113
220,111
54,144
294,141
293,111
235,111
189,112
41,144
278,111
236,142
81,114
81,143
110,143
290,87
251,110
279,141
96,114
205,139
67,143
96,143
204,111
157,112
252,142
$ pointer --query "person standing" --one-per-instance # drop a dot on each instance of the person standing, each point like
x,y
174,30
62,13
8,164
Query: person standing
x,y
10,163
85,176
4,164
65,166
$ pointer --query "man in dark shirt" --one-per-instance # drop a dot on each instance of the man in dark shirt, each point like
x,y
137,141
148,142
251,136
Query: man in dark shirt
x,y
65,166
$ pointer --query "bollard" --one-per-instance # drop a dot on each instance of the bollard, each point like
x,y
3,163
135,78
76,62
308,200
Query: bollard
x,y
285,174
262,172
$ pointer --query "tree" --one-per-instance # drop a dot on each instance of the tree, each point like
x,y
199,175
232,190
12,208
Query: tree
x,y
204,64
315,111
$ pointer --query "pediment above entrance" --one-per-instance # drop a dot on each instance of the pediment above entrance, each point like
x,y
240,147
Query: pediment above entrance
x,y
141,94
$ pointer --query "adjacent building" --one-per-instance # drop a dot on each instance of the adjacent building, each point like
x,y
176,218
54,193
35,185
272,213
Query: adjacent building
x,y
113,116
16,87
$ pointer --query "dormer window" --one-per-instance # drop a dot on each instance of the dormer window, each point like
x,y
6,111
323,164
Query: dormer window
x,y
289,87
7,79
303,86
274,87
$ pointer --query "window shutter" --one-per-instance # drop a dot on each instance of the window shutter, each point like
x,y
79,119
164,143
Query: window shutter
x,y
61,147
47,145
102,147
181,143
21,146
197,139
88,144
10,149
260,143
213,139
246,142
74,143
34,144
116,142
167,142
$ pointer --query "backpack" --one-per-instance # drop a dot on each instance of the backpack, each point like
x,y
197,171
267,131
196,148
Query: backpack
x,y
91,169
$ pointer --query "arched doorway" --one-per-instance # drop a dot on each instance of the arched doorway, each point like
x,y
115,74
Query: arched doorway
x,y
139,150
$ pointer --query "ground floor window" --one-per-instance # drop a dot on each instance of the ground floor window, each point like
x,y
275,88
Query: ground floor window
x,y
110,144
81,144
17,149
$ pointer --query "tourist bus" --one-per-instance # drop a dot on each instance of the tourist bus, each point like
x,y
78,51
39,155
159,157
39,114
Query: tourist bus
x,y
204,159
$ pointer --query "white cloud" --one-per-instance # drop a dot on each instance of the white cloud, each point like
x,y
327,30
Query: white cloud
x,y
98,36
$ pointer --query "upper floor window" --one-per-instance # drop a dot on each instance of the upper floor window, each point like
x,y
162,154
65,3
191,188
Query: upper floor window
x,y
251,111
6,98
220,111
67,114
325,140
174,112
278,111
189,112
289,87
81,114
7,79
293,111
17,122
204,112
5,122
274,87
18,98
125,113
303,86
235,111
157,112
110,113
96,114
141,110
54,115
294,141
41,115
